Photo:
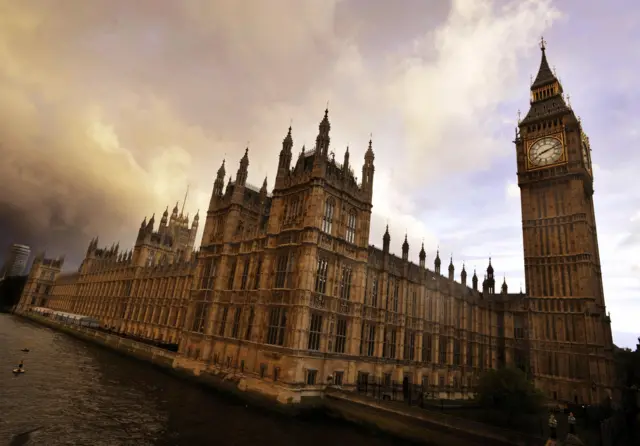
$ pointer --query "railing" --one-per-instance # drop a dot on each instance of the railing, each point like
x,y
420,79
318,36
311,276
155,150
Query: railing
x,y
412,394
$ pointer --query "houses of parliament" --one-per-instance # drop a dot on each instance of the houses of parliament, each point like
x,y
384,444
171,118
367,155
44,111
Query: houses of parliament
x,y
286,291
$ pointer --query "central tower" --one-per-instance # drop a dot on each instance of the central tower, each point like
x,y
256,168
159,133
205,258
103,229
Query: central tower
x,y
570,330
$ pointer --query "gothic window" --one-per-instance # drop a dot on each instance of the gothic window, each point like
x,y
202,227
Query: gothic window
x,y
345,283
368,339
245,275
327,218
252,314
240,228
256,282
427,347
284,271
414,303
518,327
351,227
374,291
396,292
321,276
232,274
456,352
219,226
223,320
236,323
206,273
341,335
200,317
315,331
410,345
389,345
389,285
469,354
443,350
277,326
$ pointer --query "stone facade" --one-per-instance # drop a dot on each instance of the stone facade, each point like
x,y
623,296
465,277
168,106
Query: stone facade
x,y
287,291
142,293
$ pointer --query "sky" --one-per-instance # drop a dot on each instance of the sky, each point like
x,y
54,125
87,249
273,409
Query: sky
x,y
110,108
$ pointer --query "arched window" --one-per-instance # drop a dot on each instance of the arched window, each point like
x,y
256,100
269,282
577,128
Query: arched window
x,y
327,219
351,227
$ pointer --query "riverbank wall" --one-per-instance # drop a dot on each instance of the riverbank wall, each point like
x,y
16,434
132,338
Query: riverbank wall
x,y
410,423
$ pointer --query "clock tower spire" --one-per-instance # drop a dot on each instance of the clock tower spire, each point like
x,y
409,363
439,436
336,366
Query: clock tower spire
x,y
561,256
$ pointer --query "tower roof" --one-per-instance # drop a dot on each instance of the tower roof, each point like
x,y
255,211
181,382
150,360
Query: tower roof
x,y
545,74
550,105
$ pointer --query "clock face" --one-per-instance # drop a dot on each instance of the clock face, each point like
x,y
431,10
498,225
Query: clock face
x,y
545,151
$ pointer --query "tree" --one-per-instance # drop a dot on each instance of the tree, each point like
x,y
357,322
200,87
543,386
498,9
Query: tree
x,y
508,390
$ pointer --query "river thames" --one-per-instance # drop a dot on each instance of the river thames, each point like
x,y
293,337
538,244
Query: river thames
x,y
74,393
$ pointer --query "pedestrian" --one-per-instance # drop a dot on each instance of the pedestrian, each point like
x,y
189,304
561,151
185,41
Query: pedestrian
x,y
553,426
572,423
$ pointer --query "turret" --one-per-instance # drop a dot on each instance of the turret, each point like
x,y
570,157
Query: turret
x,y
165,218
405,249
386,241
243,169
218,187
345,163
368,170
463,276
151,223
323,140
474,280
263,189
284,163
451,269
437,262
491,282
196,220
505,288
423,256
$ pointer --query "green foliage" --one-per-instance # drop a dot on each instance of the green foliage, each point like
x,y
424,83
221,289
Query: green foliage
x,y
508,390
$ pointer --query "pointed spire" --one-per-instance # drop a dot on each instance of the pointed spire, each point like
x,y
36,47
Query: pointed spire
x,y
322,140
165,214
175,209
221,171
437,261
423,254
288,140
196,218
263,190
490,268
545,74
405,248
369,153
243,169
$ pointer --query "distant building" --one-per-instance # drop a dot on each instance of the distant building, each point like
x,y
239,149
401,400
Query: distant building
x,y
16,262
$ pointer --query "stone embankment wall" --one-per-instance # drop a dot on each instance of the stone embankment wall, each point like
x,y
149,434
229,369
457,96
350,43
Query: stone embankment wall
x,y
405,422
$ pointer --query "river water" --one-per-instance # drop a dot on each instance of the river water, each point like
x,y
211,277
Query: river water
x,y
74,393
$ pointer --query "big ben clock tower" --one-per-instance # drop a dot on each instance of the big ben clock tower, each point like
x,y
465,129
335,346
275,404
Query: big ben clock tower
x,y
570,331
